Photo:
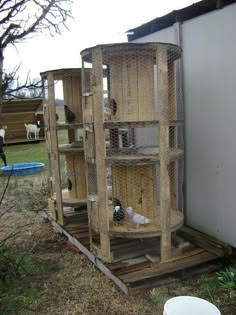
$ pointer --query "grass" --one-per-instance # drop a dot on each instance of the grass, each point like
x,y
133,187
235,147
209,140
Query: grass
x,y
33,152
23,153
15,290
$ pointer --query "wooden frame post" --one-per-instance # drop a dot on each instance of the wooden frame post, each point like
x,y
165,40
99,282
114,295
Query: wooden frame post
x,y
100,149
163,107
54,147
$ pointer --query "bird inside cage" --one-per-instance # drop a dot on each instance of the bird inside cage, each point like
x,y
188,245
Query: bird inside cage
x,y
136,218
113,106
70,116
119,213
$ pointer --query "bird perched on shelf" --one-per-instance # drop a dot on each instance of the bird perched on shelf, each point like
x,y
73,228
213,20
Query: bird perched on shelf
x,y
113,106
136,218
116,202
118,215
70,116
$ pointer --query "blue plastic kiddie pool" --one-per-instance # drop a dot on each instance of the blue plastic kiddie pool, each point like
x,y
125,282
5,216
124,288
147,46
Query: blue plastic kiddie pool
x,y
20,169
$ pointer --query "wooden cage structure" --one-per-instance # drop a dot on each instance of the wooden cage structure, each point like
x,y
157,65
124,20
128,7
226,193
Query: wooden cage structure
x,y
124,150
75,195
132,141
15,113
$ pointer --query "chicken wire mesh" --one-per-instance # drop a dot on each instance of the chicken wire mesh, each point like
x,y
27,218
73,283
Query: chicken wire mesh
x,y
133,116
67,112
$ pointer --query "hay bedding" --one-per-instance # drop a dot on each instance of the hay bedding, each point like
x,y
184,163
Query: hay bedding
x,y
70,284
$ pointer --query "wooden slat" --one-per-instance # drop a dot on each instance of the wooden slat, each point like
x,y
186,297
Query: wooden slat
x,y
54,147
133,187
116,88
145,81
80,176
70,170
207,242
172,130
198,256
149,193
162,88
68,100
69,148
129,88
77,96
139,124
141,159
49,152
119,184
101,154
64,125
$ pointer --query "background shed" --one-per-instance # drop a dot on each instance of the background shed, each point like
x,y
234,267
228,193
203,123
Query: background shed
x,y
15,113
206,32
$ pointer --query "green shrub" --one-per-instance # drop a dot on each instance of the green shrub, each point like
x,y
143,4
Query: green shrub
x,y
15,292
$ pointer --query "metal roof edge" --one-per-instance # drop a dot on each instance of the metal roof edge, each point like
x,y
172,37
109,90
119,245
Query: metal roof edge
x,y
181,15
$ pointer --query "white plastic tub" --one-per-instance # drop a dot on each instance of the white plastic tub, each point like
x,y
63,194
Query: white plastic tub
x,y
189,305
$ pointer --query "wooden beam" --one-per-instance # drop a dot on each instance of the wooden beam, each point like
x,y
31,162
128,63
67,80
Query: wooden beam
x,y
165,213
54,147
206,242
100,148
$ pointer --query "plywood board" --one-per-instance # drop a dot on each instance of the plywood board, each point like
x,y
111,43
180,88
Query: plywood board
x,y
145,74
80,177
129,88
116,87
71,175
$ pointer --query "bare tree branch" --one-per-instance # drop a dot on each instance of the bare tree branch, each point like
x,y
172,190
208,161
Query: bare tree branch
x,y
5,189
50,15
17,22
7,210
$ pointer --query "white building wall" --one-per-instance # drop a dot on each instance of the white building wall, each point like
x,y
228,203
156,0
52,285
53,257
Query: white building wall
x,y
209,64
166,35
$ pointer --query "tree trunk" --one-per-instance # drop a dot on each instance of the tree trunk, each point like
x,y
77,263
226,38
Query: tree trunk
x,y
1,78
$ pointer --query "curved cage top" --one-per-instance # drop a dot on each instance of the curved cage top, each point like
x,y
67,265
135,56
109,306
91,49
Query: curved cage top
x,y
109,50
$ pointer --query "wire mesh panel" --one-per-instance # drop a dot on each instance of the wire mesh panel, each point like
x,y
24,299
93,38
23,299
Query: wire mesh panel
x,y
65,140
131,99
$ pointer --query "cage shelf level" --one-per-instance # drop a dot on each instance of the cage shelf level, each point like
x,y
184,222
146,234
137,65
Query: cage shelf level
x,y
75,195
133,123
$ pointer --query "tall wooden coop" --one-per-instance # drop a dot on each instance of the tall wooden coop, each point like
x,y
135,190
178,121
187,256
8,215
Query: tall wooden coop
x,y
133,143
67,182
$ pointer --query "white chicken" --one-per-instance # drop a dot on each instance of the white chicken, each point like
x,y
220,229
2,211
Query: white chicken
x,y
136,218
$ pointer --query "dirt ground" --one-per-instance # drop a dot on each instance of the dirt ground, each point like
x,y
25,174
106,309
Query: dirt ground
x,y
70,284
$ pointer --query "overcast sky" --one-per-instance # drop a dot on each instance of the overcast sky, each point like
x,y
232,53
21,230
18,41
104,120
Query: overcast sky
x,y
95,22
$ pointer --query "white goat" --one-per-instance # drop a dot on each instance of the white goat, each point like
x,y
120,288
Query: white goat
x,y
3,131
30,128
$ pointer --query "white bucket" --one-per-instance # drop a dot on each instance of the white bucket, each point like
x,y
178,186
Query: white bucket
x,y
189,305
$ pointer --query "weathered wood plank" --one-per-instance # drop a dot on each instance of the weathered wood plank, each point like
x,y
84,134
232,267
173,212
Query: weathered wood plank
x,y
54,147
162,88
100,147
179,263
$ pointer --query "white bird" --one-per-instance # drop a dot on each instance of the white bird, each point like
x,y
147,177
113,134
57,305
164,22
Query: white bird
x,y
136,218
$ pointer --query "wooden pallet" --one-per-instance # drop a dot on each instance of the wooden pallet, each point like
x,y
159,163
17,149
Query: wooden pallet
x,y
134,266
